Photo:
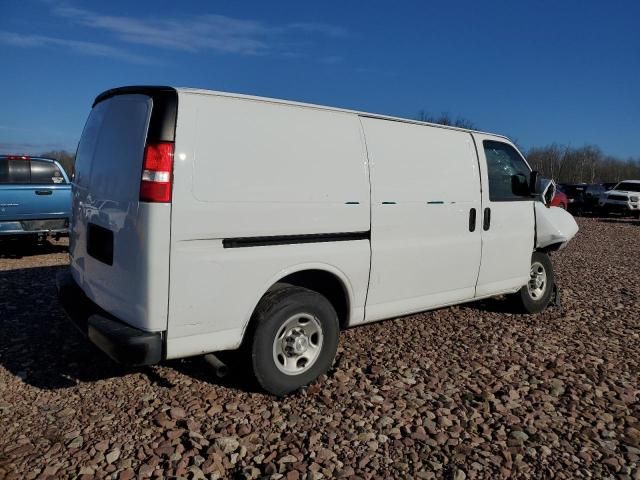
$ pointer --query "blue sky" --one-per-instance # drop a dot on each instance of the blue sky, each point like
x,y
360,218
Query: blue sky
x,y
538,71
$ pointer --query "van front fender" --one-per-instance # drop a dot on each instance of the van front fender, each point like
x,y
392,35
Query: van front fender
x,y
554,227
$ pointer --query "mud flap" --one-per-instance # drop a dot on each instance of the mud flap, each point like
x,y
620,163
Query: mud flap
x,y
555,297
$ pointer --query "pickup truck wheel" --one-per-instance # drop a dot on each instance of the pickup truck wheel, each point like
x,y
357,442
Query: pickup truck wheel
x,y
295,339
536,294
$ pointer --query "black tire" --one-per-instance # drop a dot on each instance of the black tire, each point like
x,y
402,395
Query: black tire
x,y
270,319
534,300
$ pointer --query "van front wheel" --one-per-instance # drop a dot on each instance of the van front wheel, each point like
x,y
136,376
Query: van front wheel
x,y
536,294
295,339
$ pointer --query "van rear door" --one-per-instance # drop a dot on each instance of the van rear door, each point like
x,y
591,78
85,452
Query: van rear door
x,y
119,243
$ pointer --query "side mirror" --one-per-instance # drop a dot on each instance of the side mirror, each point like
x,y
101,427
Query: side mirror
x,y
549,193
544,190
519,185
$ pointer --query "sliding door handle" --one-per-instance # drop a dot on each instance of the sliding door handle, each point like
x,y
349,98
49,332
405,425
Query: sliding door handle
x,y
486,221
472,220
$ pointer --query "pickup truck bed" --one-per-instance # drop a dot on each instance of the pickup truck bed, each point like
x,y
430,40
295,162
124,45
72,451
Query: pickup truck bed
x,y
35,196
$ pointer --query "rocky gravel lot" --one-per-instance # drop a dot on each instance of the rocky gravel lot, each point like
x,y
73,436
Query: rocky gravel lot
x,y
465,392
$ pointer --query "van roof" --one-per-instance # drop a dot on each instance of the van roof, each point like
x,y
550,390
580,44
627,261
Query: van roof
x,y
333,109
155,88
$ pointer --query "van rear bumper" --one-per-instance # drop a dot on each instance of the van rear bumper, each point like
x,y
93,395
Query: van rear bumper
x,y
123,343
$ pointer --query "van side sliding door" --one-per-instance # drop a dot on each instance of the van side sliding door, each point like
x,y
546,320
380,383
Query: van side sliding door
x,y
425,202
507,217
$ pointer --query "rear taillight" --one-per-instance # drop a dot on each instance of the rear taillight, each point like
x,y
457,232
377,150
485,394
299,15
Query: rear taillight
x,y
155,185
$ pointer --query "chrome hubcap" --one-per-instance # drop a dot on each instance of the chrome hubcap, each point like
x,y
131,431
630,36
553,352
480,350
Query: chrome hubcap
x,y
298,343
537,281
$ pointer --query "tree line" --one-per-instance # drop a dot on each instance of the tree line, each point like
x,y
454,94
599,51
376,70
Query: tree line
x,y
564,164
586,164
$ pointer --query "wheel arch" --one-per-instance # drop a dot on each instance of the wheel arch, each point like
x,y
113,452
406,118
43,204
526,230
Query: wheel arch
x,y
325,279
554,247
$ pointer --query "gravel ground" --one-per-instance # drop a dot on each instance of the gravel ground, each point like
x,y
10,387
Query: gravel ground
x,y
465,392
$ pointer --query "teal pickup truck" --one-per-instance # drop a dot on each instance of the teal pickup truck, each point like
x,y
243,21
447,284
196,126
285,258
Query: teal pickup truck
x,y
35,197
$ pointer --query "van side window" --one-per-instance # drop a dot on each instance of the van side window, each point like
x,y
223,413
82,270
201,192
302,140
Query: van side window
x,y
45,173
14,171
503,162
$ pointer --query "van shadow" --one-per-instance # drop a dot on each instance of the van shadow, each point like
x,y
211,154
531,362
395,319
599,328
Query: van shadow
x,y
16,248
500,304
37,342
39,345
239,377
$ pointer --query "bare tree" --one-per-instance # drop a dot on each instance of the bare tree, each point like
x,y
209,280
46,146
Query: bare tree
x,y
549,160
586,164
445,119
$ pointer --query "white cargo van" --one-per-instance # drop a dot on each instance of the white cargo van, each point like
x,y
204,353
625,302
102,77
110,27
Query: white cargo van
x,y
206,221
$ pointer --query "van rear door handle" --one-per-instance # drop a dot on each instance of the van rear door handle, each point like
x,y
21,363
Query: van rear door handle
x,y
486,222
43,192
472,220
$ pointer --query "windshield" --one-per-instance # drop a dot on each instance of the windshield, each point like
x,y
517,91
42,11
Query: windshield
x,y
628,187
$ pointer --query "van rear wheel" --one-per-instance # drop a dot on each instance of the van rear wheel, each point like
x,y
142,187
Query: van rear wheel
x,y
295,339
536,294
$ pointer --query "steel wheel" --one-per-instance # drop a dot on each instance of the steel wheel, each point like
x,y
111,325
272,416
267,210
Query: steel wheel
x,y
295,338
537,285
297,344
535,295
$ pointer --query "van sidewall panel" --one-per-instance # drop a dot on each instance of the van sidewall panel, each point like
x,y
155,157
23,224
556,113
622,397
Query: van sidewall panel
x,y
249,168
